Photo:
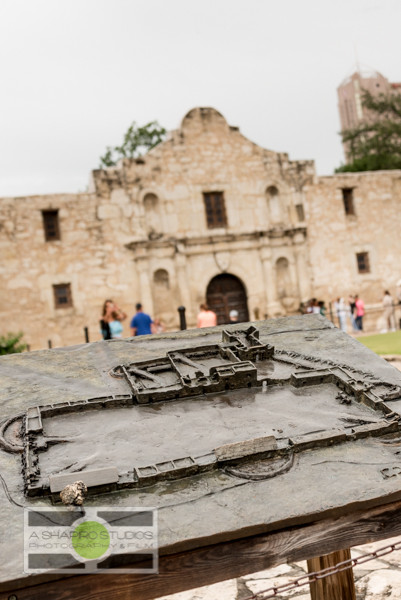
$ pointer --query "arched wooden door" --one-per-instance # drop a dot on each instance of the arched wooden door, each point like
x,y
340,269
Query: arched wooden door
x,y
224,293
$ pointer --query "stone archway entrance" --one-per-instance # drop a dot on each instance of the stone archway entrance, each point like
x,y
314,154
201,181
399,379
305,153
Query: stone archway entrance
x,y
224,293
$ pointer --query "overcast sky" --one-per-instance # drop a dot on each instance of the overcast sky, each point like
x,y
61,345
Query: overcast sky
x,y
76,73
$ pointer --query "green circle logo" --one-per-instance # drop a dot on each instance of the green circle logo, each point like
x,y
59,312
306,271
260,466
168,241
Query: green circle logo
x,y
90,539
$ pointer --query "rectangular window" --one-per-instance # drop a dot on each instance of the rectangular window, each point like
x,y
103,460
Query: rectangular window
x,y
348,199
362,259
62,295
300,212
215,209
51,225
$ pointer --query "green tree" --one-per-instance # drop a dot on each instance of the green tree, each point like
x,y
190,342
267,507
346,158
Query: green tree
x,y
136,142
376,143
10,343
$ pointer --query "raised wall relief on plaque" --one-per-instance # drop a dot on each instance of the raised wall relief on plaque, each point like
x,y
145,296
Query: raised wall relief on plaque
x,y
238,406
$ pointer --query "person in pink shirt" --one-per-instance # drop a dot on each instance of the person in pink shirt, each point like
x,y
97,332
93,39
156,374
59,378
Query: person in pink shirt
x,y
359,311
206,317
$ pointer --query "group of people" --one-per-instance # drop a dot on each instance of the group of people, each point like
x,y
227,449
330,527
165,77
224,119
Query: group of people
x,y
355,309
314,306
141,323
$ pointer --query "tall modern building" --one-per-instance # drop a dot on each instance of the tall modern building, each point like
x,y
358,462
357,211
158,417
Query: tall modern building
x,y
349,92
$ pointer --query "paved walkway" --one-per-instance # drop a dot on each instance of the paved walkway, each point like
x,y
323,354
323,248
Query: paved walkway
x,y
379,579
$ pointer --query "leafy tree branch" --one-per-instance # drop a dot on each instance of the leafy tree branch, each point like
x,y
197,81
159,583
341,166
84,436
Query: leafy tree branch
x,y
375,144
136,142
10,343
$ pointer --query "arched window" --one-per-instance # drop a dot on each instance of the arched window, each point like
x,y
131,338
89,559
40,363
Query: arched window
x,y
274,202
152,213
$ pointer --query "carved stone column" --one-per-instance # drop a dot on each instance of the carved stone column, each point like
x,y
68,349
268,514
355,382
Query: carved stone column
x,y
273,305
303,271
292,267
182,278
145,289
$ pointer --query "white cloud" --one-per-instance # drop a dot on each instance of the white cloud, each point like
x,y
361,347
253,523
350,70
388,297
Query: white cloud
x,y
75,74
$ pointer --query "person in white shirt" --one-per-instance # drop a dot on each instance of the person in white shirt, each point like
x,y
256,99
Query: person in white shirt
x,y
341,311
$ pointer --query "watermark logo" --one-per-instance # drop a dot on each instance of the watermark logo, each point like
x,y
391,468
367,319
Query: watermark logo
x,y
91,539
97,539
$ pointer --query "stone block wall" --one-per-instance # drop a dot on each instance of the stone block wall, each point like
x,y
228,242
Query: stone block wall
x,y
335,238
30,266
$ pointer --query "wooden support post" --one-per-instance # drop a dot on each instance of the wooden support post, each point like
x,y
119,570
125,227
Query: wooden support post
x,y
334,587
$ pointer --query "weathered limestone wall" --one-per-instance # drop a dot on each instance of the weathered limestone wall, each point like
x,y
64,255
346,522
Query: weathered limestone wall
x,y
206,154
335,238
142,235
155,206
30,266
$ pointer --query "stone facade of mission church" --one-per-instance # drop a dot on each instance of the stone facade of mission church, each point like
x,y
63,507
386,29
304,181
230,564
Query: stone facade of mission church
x,y
207,214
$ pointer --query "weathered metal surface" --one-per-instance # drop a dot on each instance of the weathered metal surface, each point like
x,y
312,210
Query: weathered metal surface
x,y
200,384
238,450
245,431
92,478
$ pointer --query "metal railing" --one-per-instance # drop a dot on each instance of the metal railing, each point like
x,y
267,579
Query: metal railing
x,y
273,591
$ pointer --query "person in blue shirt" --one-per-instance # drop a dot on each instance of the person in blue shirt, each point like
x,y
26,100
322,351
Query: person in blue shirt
x,y
141,323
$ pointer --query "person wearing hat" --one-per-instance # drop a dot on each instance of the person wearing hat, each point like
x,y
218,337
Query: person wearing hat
x,y
233,316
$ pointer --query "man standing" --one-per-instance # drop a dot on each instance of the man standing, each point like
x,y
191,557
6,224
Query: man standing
x,y
141,323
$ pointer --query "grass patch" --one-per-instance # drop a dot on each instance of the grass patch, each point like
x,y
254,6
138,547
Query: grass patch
x,y
383,343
